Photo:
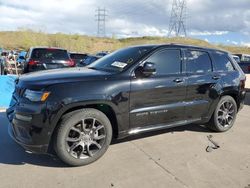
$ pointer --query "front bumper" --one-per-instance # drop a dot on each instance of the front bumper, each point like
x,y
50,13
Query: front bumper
x,y
28,147
28,127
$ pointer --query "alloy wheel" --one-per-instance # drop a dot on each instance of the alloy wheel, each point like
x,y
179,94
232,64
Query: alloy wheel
x,y
226,114
86,138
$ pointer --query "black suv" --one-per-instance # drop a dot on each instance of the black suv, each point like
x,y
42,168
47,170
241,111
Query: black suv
x,y
43,58
78,58
133,90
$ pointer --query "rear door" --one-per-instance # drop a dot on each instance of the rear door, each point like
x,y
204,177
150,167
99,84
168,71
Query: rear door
x,y
225,69
200,83
159,99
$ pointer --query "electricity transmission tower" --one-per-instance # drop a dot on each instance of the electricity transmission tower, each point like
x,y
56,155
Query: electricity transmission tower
x,y
101,21
177,26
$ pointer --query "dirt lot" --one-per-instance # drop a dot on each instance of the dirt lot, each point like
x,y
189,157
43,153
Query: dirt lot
x,y
172,158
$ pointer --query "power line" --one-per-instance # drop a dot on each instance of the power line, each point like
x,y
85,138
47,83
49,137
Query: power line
x,y
177,25
101,21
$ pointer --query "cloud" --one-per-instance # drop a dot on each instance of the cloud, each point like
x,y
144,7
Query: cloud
x,y
126,18
247,44
207,33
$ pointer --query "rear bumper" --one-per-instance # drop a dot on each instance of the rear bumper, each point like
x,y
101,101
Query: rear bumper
x,y
241,99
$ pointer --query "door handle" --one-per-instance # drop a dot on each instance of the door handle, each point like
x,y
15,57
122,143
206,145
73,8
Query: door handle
x,y
178,80
216,77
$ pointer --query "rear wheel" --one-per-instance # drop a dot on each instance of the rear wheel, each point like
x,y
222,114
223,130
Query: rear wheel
x,y
224,115
83,137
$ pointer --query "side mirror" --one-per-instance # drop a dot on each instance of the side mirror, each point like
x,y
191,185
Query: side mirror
x,y
148,69
21,57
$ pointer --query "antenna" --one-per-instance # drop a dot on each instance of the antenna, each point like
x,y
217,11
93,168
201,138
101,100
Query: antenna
x,y
177,25
101,22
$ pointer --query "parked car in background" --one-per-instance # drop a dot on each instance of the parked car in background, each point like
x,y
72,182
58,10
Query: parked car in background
x,y
90,59
243,57
236,58
78,58
21,57
133,90
244,62
43,58
102,53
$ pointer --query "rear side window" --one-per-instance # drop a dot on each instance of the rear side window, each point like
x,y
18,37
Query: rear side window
x,y
222,62
49,54
198,61
166,61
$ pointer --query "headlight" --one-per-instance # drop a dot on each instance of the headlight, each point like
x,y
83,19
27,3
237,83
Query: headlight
x,y
36,96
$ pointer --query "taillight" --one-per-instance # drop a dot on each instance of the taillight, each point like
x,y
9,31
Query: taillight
x,y
71,63
33,62
242,84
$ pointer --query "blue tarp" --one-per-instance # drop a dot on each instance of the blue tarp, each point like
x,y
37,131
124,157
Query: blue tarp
x,y
7,86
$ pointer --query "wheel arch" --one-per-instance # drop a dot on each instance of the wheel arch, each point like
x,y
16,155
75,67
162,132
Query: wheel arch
x,y
234,95
108,109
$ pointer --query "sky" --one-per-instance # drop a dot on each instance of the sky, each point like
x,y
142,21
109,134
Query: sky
x,y
216,21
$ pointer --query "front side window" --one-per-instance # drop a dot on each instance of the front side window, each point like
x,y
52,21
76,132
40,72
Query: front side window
x,y
166,61
222,62
197,61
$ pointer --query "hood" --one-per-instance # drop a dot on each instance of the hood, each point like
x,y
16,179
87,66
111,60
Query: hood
x,y
55,76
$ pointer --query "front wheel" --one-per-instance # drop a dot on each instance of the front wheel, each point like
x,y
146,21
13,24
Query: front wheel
x,y
224,115
83,137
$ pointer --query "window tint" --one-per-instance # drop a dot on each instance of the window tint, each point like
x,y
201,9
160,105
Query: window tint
x,y
197,61
121,59
246,58
49,53
78,56
222,62
166,62
89,60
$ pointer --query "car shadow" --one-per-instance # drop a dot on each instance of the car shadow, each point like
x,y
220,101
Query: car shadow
x,y
13,154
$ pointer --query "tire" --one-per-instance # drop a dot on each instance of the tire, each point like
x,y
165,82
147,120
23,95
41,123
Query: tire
x,y
83,137
223,121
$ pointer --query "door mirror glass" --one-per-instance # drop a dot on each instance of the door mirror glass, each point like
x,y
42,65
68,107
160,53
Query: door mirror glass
x,y
148,69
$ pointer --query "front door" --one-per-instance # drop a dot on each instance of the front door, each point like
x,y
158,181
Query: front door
x,y
160,98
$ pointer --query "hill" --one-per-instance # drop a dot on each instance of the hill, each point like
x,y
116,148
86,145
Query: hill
x,y
81,43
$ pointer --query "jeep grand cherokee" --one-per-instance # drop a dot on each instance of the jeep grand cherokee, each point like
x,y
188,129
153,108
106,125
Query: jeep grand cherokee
x,y
133,90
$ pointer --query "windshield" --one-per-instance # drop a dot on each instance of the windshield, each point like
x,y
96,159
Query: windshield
x,y
120,59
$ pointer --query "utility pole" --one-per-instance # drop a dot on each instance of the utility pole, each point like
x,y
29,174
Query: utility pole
x,y
177,25
101,15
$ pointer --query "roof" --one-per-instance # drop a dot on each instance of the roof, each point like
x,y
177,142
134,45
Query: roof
x,y
156,46
46,47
